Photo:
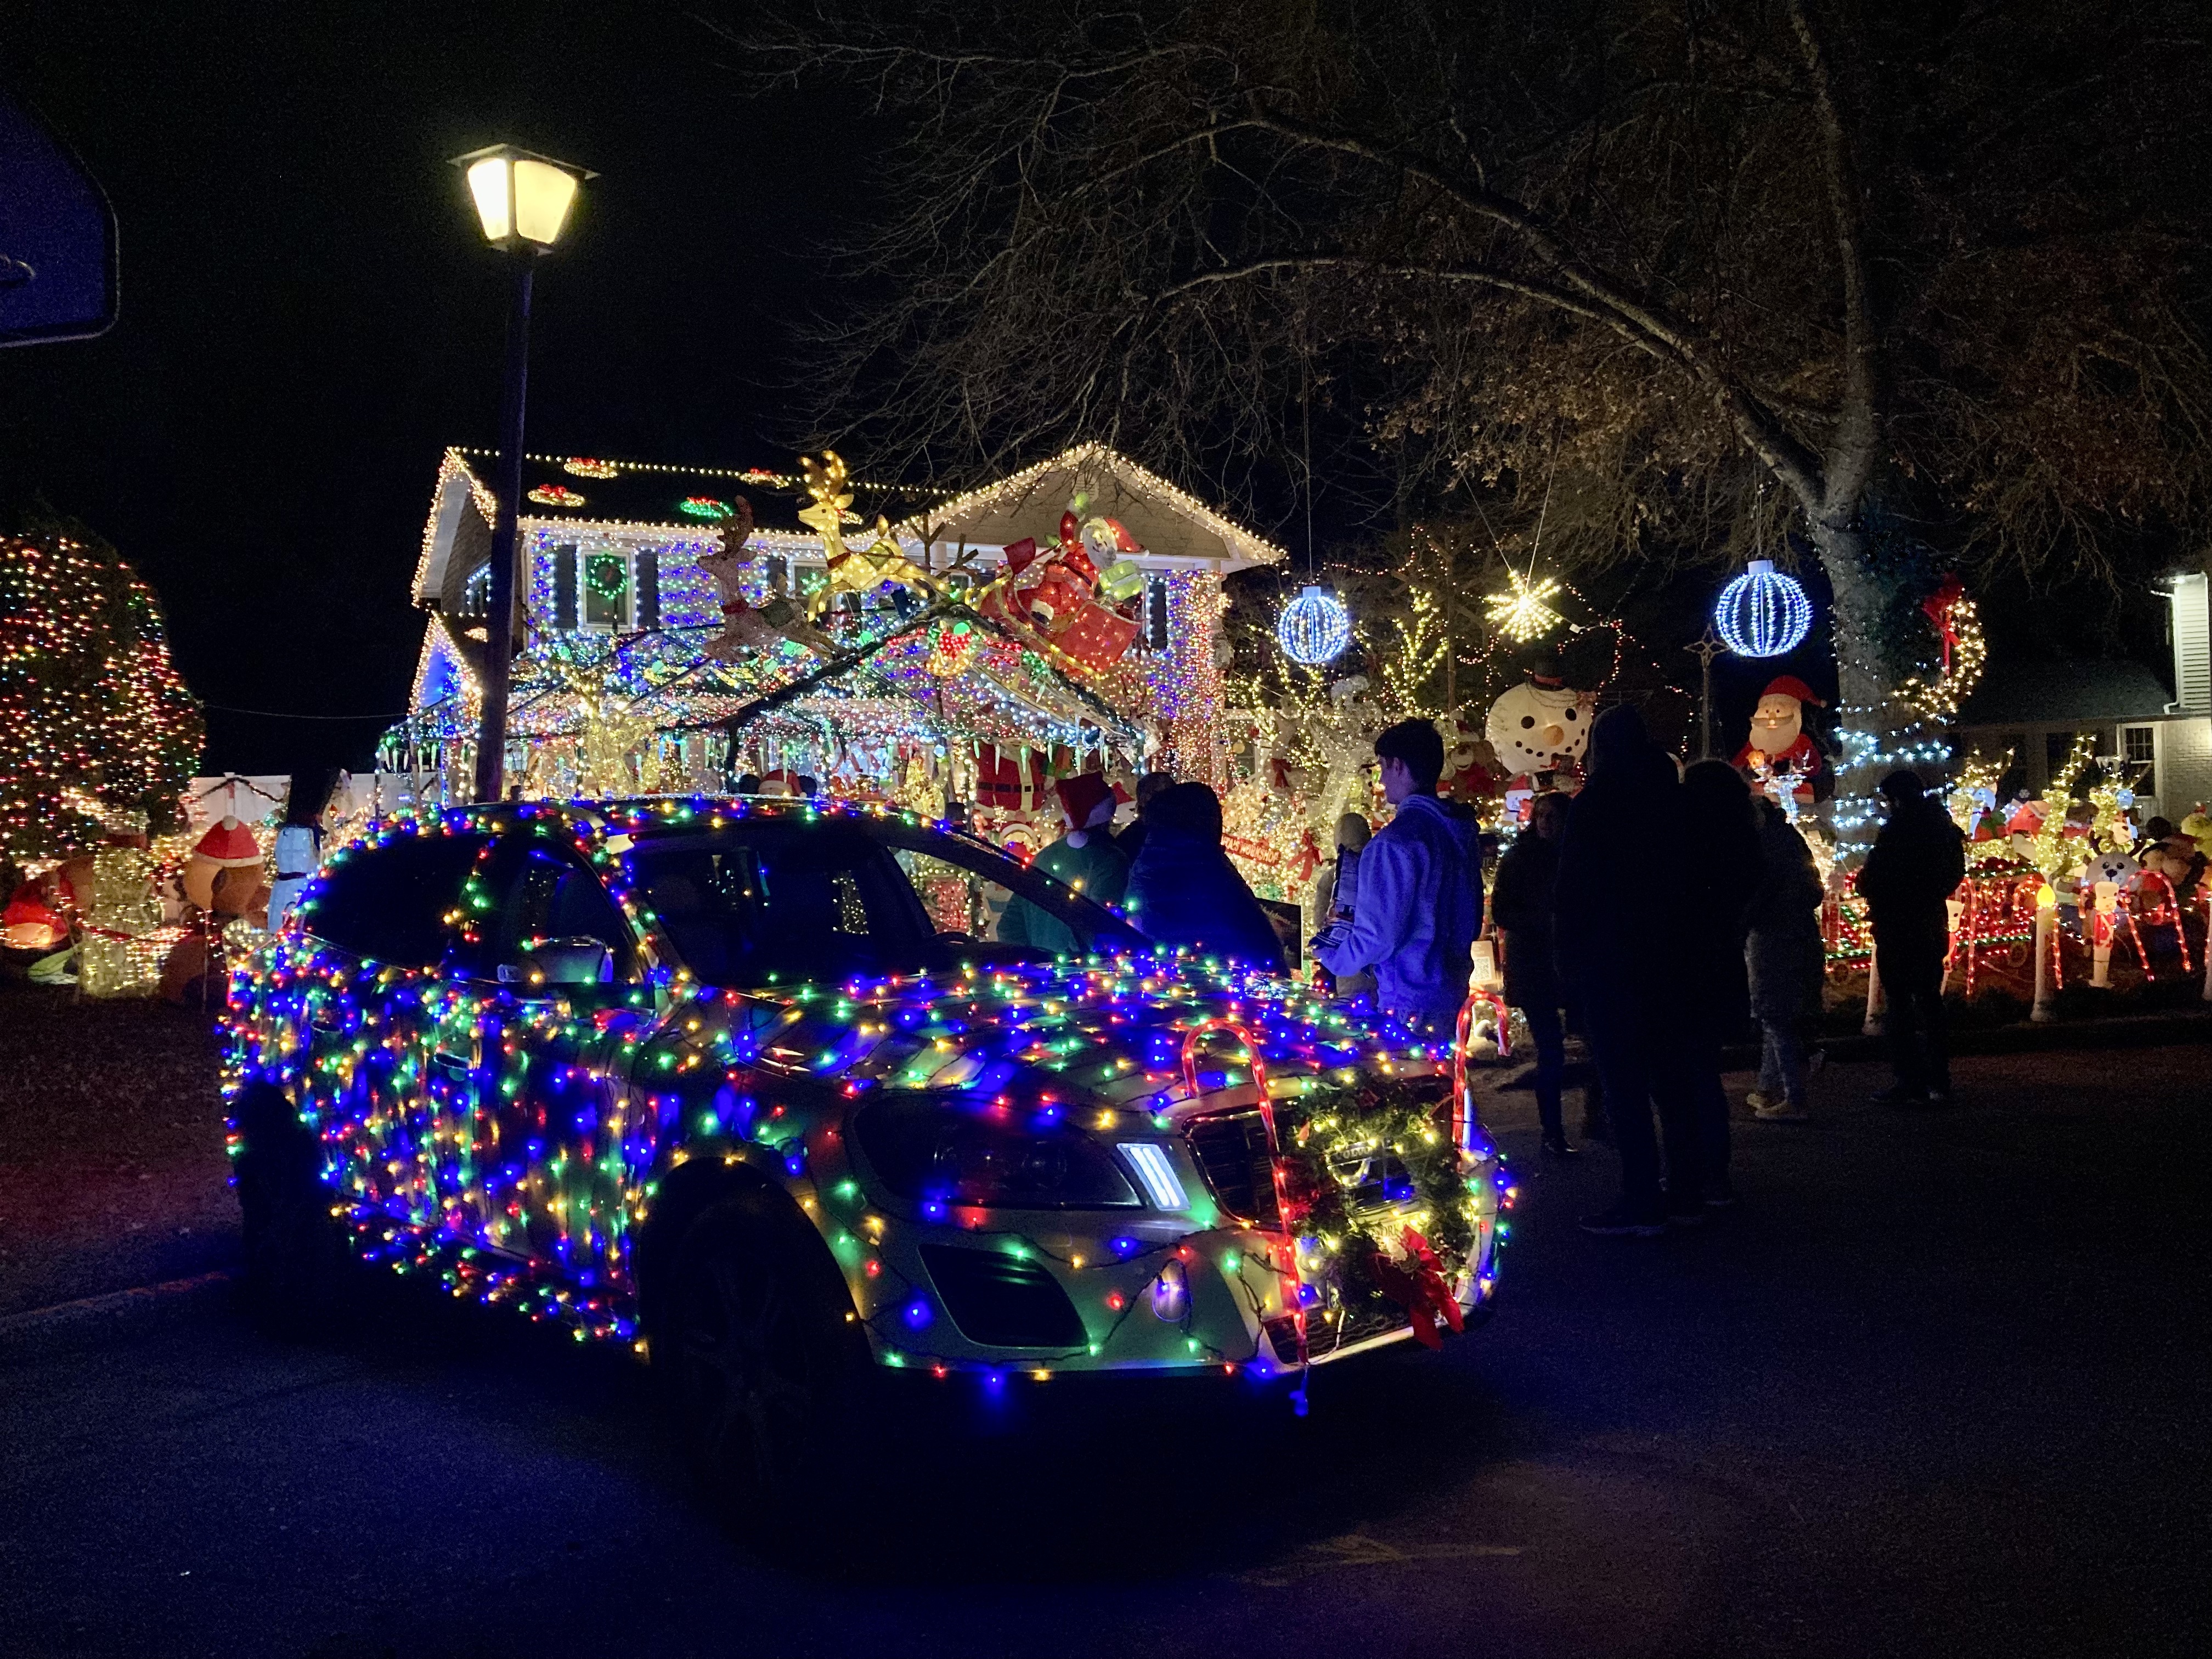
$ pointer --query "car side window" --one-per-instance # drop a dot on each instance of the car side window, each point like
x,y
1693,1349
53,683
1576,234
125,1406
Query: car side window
x,y
988,874
389,904
758,903
542,892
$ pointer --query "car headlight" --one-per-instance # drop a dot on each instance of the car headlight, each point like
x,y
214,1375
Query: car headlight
x,y
941,1152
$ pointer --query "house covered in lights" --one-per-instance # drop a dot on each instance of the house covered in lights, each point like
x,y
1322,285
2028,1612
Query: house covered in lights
x,y
2159,740
678,627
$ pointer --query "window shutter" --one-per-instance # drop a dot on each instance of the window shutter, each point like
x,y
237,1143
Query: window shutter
x,y
1156,613
645,573
564,588
2192,645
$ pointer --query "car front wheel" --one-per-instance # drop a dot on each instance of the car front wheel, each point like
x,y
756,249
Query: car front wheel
x,y
764,1370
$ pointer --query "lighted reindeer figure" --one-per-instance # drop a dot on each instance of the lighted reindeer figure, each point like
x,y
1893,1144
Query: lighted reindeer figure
x,y
852,569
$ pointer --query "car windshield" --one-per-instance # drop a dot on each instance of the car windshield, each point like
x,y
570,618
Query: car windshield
x,y
773,901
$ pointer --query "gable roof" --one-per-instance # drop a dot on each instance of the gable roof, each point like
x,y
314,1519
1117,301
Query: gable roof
x,y
2092,691
684,498
1171,523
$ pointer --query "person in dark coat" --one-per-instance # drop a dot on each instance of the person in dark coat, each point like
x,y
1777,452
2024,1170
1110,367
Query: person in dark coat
x,y
1919,860
1787,961
1521,907
1614,917
1184,891
1131,841
1721,866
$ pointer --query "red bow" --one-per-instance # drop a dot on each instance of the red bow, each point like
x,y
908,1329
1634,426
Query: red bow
x,y
1939,607
1418,1286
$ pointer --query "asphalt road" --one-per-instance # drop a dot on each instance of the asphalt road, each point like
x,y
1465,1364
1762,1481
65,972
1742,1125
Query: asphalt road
x,y
1940,1387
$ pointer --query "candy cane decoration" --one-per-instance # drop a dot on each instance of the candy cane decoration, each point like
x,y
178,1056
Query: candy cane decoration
x,y
1463,1035
2169,910
1191,1042
2208,941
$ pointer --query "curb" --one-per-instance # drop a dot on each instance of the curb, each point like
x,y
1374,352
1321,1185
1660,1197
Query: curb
x,y
60,1315
2126,1031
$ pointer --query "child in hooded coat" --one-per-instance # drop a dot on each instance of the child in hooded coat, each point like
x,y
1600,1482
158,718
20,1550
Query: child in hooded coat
x,y
1085,859
1787,960
1184,891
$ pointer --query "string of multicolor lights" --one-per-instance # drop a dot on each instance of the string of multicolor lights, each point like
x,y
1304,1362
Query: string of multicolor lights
x,y
663,1072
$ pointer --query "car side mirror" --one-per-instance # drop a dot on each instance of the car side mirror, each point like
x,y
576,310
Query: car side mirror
x,y
547,962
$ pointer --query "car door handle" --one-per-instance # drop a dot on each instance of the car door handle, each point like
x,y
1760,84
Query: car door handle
x,y
319,1023
445,1062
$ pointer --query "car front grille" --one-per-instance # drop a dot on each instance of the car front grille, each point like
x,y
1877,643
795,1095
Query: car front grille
x,y
1342,1326
1231,1148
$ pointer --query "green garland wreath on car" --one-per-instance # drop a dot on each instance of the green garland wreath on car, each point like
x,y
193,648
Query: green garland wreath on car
x,y
1372,1255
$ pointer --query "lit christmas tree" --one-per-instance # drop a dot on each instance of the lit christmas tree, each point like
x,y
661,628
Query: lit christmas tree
x,y
93,717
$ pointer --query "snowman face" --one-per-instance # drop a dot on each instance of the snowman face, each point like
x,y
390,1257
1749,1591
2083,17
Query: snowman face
x,y
1776,723
1535,727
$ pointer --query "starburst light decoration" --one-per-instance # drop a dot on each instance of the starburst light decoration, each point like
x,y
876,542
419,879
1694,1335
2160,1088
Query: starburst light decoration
x,y
1315,628
1522,615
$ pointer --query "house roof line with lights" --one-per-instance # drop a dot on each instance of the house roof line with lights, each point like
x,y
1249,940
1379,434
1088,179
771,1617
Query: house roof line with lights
x,y
648,503
1028,503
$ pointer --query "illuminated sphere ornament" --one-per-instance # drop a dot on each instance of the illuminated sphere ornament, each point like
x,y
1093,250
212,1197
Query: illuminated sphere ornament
x,y
1315,628
1763,613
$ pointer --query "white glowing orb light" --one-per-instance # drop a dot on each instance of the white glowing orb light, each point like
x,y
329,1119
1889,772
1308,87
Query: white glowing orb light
x,y
1315,628
1763,613
1522,615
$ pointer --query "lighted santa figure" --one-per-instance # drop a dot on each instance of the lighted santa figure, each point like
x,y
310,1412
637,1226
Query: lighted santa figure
x,y
1780,747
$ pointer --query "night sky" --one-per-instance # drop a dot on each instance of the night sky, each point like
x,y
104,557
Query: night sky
x,y
310,315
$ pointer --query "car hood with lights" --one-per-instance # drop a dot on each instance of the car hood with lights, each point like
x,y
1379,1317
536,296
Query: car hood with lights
x,y
1063,1168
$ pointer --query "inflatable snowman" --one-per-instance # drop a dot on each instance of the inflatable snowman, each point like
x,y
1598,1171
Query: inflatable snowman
x,y
1539,725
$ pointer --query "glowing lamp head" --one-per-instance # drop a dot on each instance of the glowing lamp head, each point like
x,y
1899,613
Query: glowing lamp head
x,y
1763,613
522,200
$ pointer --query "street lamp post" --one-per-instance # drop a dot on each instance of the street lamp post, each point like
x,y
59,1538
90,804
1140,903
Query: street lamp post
x,y
522,202
1705,650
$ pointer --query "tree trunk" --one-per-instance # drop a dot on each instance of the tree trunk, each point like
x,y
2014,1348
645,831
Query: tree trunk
x,y
1873,720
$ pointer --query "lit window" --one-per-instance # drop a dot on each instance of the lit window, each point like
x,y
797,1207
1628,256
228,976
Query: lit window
x,y
2140,747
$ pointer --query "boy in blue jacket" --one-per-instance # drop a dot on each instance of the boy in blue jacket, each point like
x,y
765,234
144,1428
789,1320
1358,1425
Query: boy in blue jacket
x,y
1420,889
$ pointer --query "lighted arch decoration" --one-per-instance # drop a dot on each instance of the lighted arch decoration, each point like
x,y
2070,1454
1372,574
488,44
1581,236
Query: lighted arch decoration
x,y
1763,613
1315,628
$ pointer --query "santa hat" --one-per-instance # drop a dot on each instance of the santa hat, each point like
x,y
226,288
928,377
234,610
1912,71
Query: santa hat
x,y
1082,795
229,844
1789,685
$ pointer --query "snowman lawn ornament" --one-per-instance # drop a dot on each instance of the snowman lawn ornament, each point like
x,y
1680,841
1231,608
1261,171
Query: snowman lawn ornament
x,y
1538,727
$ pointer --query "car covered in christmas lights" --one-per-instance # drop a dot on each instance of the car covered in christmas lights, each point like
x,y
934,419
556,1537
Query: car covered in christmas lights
x,y
749,1083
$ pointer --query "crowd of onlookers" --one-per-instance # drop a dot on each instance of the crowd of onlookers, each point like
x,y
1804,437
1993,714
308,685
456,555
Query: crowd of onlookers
x,y
1660,914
